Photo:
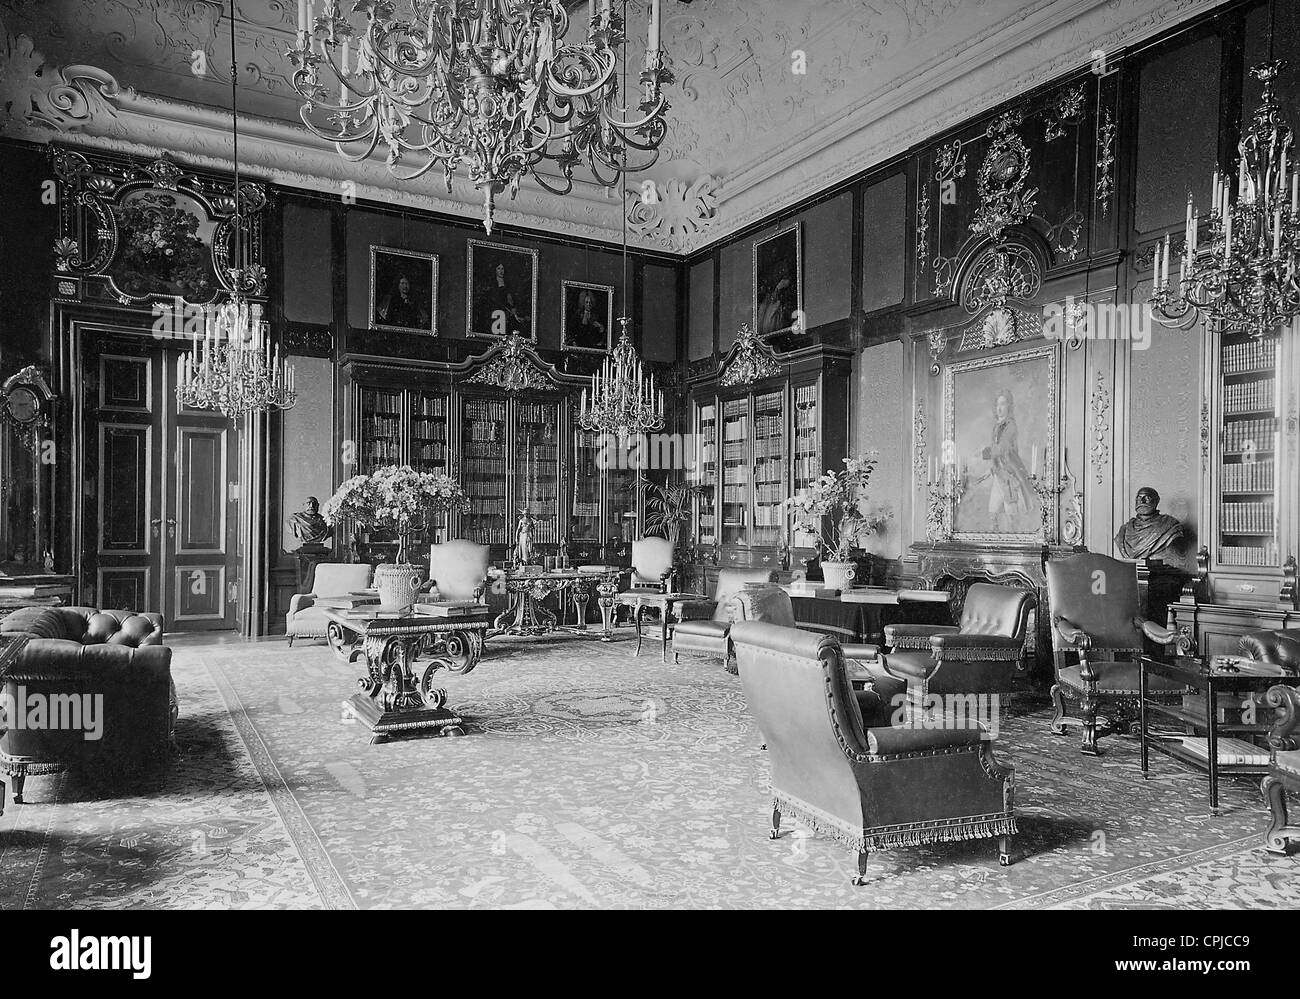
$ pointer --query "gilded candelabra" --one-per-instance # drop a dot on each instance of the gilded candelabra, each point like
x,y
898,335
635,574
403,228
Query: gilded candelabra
x,y
945,486
1047,489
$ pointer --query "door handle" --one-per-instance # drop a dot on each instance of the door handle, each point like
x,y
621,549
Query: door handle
x,y
155,526
171,527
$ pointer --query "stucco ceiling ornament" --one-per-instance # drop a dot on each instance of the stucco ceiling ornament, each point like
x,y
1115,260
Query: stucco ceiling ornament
x,y
45,96
675,215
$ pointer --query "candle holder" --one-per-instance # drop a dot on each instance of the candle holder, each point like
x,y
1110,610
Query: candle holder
x,y
1047,489
944,489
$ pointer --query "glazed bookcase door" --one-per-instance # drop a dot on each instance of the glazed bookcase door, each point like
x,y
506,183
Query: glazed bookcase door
x,y
705,424
1252,465
484,444
381,417
737,471
426,444
585,523
805,451
771,466
534,472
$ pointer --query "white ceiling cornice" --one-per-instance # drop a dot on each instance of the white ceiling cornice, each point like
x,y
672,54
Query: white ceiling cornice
x,y
887,99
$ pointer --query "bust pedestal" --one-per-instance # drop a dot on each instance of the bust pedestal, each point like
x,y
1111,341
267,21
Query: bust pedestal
x,y
309,556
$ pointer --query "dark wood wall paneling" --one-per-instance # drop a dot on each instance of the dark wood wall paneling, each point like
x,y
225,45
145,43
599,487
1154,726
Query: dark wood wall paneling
x,y
28,227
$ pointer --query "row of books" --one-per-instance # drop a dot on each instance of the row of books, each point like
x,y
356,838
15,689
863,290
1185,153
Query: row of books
x,y
1249,435
374,400
769,493
1250,356
430,405
1247,396
769,516
1250,517
769,447
430,452
485,409
486,449
373,451
1248,554
736,430
482,476
1248,476
380,426
484,430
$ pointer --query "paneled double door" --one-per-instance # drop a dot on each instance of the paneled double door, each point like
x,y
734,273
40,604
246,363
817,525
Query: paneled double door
x,y
159,510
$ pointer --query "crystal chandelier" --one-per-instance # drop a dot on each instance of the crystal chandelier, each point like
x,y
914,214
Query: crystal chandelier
x,y
621,401
1243,275
233,368
490,83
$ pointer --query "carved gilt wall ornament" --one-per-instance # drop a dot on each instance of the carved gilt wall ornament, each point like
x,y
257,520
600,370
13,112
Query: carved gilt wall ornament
x,y
677,216
1065,235
750,360
61,99
1205,433
923,226
919,443
1001,326
950,169
1004,201
1105,161
136,231
937,341
1009,271
1066,110
511,365
1099,451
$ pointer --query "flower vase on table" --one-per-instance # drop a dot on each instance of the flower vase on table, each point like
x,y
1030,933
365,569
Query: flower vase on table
x,y
398,581
835,511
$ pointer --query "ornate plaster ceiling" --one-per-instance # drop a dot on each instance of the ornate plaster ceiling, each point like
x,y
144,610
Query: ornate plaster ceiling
x,y
880,76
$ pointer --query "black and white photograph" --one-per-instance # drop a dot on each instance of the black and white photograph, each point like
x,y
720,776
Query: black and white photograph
x,y
587,317
778,281
403,290
502,293
928,545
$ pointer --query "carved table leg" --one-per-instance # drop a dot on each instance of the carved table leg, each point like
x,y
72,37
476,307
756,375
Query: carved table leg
x,y
1004,851
606,591
861,877
1276,838
581,595
776,823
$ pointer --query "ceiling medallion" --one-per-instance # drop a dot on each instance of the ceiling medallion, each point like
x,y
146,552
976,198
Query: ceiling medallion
x,y
1004,202
492,84
751,360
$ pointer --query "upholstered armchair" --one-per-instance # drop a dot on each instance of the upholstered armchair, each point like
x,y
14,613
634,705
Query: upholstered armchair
x,y
74,653
651,572
772,605
1095,602
458,570
869,788
702,627
306,617
1284,772
981,654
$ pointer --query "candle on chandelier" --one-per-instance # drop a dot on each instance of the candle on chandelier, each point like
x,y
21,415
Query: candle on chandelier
x,y
1295,191
1033,466
1164,266
654,25
302,17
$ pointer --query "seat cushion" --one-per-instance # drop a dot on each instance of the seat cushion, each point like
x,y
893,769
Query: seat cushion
x,y
909,665
1118,677
701,636
309,623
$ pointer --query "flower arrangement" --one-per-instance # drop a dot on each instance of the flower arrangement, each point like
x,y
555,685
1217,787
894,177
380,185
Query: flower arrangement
x,y
835,508
394,498
162,250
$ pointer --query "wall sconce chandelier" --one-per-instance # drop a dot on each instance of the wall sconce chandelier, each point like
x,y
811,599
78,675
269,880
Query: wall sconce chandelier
x,y
490,83
232,369
1244,275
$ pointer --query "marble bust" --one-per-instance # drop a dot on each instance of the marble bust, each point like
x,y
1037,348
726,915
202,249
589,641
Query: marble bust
x,y
309,527
1150,533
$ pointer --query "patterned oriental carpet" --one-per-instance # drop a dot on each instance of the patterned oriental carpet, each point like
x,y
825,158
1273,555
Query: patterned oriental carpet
x,y
588,779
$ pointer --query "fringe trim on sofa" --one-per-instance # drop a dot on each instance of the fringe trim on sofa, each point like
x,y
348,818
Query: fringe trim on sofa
x,y
887,837
976,655
911,642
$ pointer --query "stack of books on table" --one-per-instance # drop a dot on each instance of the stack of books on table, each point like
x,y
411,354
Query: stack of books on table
x,y
451,608
360,600
1232,752
806,589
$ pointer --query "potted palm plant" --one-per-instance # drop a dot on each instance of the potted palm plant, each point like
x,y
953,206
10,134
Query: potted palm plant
x,y
397,499
835,509
667,508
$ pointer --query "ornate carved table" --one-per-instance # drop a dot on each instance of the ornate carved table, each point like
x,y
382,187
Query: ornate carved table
x,y
528,615
392,700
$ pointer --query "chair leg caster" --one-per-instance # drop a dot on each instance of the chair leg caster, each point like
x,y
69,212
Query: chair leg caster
x,y
1004,851
19,780
775,831
861,877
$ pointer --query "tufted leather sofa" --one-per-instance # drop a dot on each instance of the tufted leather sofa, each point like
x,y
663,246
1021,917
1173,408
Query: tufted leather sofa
x,y
705,623
77,652
1281,647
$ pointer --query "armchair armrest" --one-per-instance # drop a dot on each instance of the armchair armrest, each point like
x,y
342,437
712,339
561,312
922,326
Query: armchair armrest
x,y
897,741
1071,632
1153,631
976,647
1286,703
862,652
915,636
301,601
